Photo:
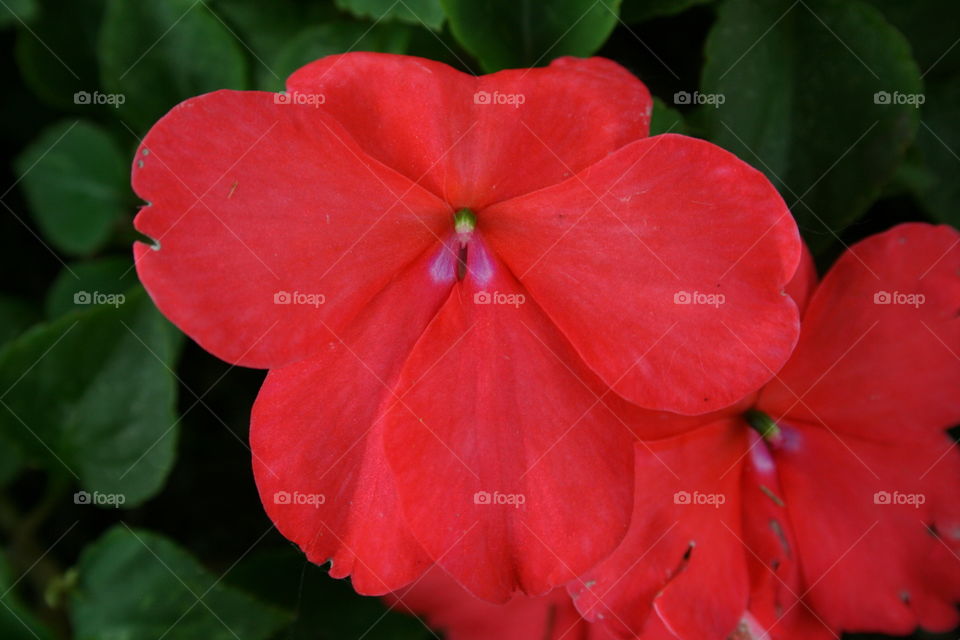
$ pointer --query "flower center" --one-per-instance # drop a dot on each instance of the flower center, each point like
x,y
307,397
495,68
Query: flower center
x,y
464,222
766,426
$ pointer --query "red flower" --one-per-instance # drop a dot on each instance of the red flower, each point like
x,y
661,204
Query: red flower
x,y
440,603
444,605
446,275
842,515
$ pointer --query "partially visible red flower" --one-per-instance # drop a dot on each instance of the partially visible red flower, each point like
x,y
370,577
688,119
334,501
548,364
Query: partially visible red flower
x,y
844,510
459,297
441,604
444,605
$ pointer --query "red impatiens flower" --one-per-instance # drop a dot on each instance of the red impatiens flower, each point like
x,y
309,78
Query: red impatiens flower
x,y
838,511
444,605
464,298
440,603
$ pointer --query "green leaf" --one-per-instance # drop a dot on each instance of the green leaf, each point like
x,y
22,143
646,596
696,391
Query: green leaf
x,y
266,33
138,584
337,37
92,395
931,28
156,54
416,12
939,143
15,316
521,33
75,181
17,11
666,119
16,621
821,131
57,54
634,11
85,283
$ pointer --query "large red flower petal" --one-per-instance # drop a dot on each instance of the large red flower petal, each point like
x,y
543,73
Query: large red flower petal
x,y
877,527
462,616
252,204
505,444
629,258
879,352
450,132
683,555
316,431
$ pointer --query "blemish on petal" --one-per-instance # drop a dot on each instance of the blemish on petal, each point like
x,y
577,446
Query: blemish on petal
x,y
749,629
770,494
781,536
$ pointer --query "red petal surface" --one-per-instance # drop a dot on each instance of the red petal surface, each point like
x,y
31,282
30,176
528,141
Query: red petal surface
x,y
474,141
625,256
884,368
877,527
495,401
316,431
683,557
250,199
